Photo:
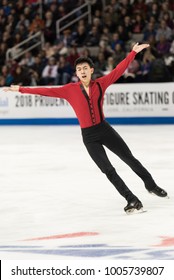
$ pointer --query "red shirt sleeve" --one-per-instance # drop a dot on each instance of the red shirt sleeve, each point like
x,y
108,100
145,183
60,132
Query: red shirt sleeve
x,y
116,73
57,92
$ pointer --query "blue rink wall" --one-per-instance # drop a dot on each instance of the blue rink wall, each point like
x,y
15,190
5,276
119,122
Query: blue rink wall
x,y
129,104
74,121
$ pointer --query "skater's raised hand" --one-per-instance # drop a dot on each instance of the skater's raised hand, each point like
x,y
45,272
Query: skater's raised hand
x,y
11,88
138,48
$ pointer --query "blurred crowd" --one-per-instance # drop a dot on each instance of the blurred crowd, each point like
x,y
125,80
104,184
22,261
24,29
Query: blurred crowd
x,y
116,25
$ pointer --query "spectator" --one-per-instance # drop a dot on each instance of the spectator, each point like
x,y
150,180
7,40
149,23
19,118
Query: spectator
x,y
8,79
7,39
49,72
21,76
145,67
72,55
98,24
124,35
119,53
100,65
140,7
98,13
55,9
79,36
106,49
131,72
6,7
159,72
17,38
110,65
49,50
127,25
163,46
154,22
165,12
172,48
111,11
123,13
86,52
164,30
108,21
28,12
20,7
23,31
152,42
22,21
64,72
50,28
93,37
153,11
148,31
125,4
115,40
105,35
36,70
169,20
28,59
2,21
65,40
36,25
138,24
11,21
3,50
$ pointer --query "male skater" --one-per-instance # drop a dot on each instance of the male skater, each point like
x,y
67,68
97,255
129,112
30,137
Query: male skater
x,y
86,97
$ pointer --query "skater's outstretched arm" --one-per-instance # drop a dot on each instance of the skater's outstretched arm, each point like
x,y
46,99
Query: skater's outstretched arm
x,y
119,70
58,92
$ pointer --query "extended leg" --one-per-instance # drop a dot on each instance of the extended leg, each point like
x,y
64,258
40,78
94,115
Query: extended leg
x,y
99,156
116,144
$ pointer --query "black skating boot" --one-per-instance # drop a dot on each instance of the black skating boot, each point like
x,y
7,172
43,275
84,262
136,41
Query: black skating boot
x,y
133,205
158,191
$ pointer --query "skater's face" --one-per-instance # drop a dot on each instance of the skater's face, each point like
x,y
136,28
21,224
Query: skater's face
x,y
84,72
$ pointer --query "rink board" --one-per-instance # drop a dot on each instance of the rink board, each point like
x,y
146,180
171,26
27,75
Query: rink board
x,y
123,104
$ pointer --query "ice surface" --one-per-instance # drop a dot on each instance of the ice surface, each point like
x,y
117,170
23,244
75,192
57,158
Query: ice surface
x,y
56,203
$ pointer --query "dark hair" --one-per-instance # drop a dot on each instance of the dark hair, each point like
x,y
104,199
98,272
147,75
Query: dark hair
x,y
84,59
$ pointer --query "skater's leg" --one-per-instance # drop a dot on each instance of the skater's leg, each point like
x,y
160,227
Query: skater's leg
x,y
116,144
99,156
113,141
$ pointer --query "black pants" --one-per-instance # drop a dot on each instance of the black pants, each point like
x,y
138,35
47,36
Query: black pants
x,y
103,134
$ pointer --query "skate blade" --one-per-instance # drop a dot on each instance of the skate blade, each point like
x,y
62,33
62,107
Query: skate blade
x,y
135,211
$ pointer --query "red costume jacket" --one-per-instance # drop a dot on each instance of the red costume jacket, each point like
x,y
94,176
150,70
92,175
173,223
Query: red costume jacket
x,y
88,109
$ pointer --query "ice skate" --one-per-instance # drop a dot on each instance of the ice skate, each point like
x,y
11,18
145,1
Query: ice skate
x,y
134,206
159,192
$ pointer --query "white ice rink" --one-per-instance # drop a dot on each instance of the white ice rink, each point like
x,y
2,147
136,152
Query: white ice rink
x,y
56,204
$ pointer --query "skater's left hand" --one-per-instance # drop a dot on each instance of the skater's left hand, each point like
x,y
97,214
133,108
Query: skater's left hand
x,y
138,48
11,88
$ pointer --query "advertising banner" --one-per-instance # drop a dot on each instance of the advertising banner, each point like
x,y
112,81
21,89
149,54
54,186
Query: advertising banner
x,y
123,103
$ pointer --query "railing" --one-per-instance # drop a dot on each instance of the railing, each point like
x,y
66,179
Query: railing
x,y
38,38
25,46
86,5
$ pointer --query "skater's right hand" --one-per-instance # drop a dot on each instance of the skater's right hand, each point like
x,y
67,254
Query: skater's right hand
x,y
11,88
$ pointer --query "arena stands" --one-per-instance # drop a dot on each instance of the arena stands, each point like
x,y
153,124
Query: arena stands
x,y
115,26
